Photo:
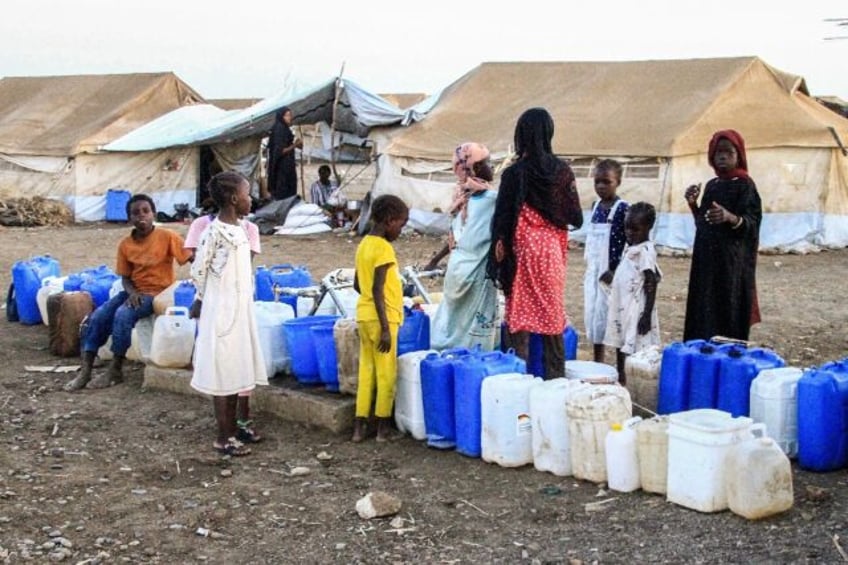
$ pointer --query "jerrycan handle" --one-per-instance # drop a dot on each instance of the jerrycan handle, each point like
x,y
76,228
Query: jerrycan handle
x,y
176,311
758,430
282,267
48,279
630,422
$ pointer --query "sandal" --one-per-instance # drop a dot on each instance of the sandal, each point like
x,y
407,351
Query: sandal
x,y
233,448
246,434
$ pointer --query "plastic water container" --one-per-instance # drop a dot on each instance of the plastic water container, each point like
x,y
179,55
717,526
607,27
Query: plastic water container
x,y
535,365
642,370
698,444
325,351
469,373
507,428
705,364
774,402
823,417
348,298
301,347
184,295
269,325
673,389
116,205
173,338
99,285
49,285
551,444
346,338
409,402
437,389
591,372
27,276
414,333
591,412
652,442
280,276
622,456
759,479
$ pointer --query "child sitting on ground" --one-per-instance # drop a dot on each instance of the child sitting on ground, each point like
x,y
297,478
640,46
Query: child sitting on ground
x,y
632,323
379,314
146,266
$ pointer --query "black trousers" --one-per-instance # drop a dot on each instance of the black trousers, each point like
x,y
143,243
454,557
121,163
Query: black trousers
x,y
553,351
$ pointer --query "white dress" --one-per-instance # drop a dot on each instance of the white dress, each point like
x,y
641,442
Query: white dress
x,y
227,354
627,300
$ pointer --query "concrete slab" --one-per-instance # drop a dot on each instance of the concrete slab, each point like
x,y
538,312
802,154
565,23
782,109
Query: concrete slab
x,y
285,398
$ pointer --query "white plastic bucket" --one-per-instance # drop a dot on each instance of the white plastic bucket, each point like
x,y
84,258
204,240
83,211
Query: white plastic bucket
x,y
652,443
173,338
551,444
506,427
591,411
759,479
269,325
774,402
49,285
591,372
409,403
698,444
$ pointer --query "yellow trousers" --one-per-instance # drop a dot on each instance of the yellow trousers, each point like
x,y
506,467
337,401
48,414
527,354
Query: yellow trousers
x,y
376,370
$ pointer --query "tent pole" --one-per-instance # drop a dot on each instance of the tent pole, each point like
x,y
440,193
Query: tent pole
x,y
302,180
333,126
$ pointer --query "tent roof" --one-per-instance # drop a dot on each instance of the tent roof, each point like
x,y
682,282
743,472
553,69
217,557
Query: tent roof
x,y
233,103
66,115
357,112
636,108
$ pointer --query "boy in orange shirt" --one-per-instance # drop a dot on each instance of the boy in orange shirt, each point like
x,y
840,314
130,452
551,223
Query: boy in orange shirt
x,y
146,265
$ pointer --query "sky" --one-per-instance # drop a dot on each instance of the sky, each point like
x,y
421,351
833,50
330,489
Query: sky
x,y
256,49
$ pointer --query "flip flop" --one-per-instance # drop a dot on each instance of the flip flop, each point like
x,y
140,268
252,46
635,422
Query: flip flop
x,y
233,448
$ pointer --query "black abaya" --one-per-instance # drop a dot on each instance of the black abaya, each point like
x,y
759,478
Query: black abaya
x,y
282,169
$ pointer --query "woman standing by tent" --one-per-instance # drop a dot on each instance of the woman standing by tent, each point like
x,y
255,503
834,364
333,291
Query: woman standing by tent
x,y
282,170
537,201
722,298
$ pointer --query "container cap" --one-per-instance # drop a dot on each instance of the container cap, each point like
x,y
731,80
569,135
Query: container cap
x,y
616,427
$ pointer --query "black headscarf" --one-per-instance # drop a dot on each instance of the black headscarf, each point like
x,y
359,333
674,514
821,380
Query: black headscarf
x,y
538,178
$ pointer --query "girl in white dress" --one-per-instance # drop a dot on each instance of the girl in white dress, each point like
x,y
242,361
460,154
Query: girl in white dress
x,y
227,355
632,323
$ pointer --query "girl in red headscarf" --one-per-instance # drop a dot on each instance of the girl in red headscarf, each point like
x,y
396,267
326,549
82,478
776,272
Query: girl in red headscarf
x,y
722,298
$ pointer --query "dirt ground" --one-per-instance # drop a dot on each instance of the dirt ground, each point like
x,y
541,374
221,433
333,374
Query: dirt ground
x,y
127,475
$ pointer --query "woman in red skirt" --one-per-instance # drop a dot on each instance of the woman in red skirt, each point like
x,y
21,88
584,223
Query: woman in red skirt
x,y
537,202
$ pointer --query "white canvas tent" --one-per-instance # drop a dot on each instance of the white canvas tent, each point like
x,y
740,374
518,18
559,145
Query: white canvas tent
x,y
656,117
52,130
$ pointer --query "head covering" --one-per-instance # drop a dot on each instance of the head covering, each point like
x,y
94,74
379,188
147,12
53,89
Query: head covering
x,y
736,140
465,156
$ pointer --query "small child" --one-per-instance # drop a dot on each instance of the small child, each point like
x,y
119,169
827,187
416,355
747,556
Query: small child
x,y
146,265
632,323
227,355
604,245
379,314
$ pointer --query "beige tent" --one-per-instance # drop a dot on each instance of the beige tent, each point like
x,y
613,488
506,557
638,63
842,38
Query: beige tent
x,y
656,117
52,129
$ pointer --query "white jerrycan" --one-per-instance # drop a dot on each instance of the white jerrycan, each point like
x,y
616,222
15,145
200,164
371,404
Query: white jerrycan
x,y
173,338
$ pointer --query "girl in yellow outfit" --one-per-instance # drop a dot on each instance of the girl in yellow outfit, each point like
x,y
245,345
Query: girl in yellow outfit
x,y
379,314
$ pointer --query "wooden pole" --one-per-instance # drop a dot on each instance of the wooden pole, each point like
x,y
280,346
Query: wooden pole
x,y
302,180
333,125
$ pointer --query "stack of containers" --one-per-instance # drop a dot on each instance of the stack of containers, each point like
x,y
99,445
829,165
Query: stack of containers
x,y
300,345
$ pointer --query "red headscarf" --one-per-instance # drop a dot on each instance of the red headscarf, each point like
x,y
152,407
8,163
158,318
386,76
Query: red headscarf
x,y
734,138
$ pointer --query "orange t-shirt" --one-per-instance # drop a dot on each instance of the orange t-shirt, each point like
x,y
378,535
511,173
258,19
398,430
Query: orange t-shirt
x,y
149,262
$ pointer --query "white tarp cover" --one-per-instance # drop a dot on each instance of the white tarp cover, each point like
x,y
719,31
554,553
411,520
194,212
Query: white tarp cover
x,y
357,112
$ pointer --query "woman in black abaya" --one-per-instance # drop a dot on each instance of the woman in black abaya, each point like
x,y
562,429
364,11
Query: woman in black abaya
x,y
282,170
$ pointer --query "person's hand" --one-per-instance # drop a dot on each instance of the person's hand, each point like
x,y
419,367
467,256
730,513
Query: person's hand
x,y
500,251
644,325
134,299
692,193
606,278
298,143
385,344
194,310
718,214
